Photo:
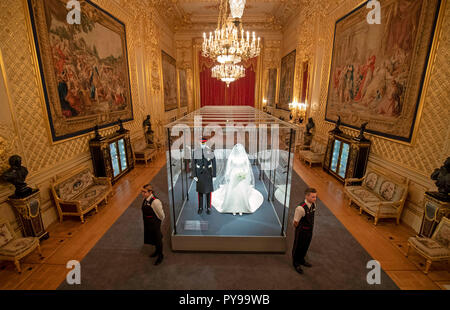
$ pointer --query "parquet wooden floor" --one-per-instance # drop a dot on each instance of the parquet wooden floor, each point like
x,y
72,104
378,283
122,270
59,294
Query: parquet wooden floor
x,y
71,240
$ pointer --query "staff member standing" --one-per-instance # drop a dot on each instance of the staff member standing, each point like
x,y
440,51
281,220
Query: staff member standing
x,y
303,223
153,215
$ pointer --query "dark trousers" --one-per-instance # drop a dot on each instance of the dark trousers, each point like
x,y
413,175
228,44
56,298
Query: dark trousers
x,y
208,200
301,244
159,247
153,235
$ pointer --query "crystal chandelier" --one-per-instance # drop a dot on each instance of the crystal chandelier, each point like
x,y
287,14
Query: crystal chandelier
x,y
229,45
237,8
228,72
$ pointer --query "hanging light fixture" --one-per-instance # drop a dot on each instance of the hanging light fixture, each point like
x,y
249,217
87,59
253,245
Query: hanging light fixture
x,y
237,8
229,45
228,72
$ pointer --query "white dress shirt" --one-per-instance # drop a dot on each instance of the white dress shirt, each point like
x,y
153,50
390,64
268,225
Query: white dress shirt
x,y
157,207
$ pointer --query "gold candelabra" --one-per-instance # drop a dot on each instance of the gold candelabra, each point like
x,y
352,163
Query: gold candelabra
x,y
298,111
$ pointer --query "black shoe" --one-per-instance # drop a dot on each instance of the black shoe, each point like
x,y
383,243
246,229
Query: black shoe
x,y
299,269
154,254
208,211
306,264
159,260
200,210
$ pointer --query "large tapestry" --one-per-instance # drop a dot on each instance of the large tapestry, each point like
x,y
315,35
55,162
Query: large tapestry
x,y
378,70
84,67
271,87
183,88
287,81
170,82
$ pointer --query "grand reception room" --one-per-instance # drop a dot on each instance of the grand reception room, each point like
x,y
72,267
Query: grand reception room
x,y
197,147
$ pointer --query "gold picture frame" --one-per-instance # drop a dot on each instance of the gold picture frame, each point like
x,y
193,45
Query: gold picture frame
x,y
170,82
287,78
92,101
430,12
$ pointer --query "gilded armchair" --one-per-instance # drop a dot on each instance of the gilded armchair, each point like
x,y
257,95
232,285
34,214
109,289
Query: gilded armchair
x,y
436,248
13,248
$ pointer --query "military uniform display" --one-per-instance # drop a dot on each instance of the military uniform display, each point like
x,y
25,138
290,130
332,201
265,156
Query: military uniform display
x,y
303,234
204,169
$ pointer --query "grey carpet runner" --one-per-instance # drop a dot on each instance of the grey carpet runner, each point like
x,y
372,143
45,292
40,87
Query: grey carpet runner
x,y
120,260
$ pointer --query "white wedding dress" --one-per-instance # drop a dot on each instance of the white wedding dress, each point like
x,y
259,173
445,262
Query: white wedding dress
x,y
237,194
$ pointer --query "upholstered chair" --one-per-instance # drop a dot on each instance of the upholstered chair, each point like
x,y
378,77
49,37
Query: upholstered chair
x,y
13,248
436,248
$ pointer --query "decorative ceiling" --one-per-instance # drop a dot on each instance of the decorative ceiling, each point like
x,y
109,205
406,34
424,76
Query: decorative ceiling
x,y
189,15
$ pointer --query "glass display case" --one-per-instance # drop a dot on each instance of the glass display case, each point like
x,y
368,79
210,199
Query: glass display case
x,y
229,174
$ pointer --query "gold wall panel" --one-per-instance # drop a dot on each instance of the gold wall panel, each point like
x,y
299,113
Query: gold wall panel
x,y
43,159
20,65
427,152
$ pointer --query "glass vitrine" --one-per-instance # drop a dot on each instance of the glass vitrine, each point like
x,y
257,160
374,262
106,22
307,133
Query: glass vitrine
x,y
242,174
112,156
346,157
118,157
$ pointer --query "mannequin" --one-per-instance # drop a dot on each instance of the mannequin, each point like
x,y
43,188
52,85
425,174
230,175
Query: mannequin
x,y
204,170
237,194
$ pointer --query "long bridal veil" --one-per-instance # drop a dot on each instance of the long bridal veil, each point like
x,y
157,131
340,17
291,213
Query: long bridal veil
x,y
237,193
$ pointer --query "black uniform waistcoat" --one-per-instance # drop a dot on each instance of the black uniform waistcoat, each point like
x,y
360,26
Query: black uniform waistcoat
x,y
152,224
307,222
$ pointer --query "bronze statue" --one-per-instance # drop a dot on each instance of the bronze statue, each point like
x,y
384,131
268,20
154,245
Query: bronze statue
x,y
121,129
361,132
16,175
147,123
309,126
442,178
307,138
98,136
336,129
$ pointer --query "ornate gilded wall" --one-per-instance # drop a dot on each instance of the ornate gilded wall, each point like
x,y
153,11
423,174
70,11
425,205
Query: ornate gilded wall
x,y
26,131
414,162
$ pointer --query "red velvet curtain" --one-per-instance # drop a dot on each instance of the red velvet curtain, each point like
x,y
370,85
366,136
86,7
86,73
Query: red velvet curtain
x,y
216,92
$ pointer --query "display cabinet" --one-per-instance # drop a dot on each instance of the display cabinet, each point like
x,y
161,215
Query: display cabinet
x,y
112,155
346,157
246,164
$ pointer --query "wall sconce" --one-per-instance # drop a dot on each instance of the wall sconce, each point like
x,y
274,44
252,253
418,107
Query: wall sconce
x,y
302,112
264,105
298,112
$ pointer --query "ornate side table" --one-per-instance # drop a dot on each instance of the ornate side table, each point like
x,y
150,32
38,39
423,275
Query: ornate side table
x,y
29,212
435,209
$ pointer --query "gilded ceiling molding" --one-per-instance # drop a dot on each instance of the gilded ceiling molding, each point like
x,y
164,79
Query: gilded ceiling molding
x,y
271,53
184,53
